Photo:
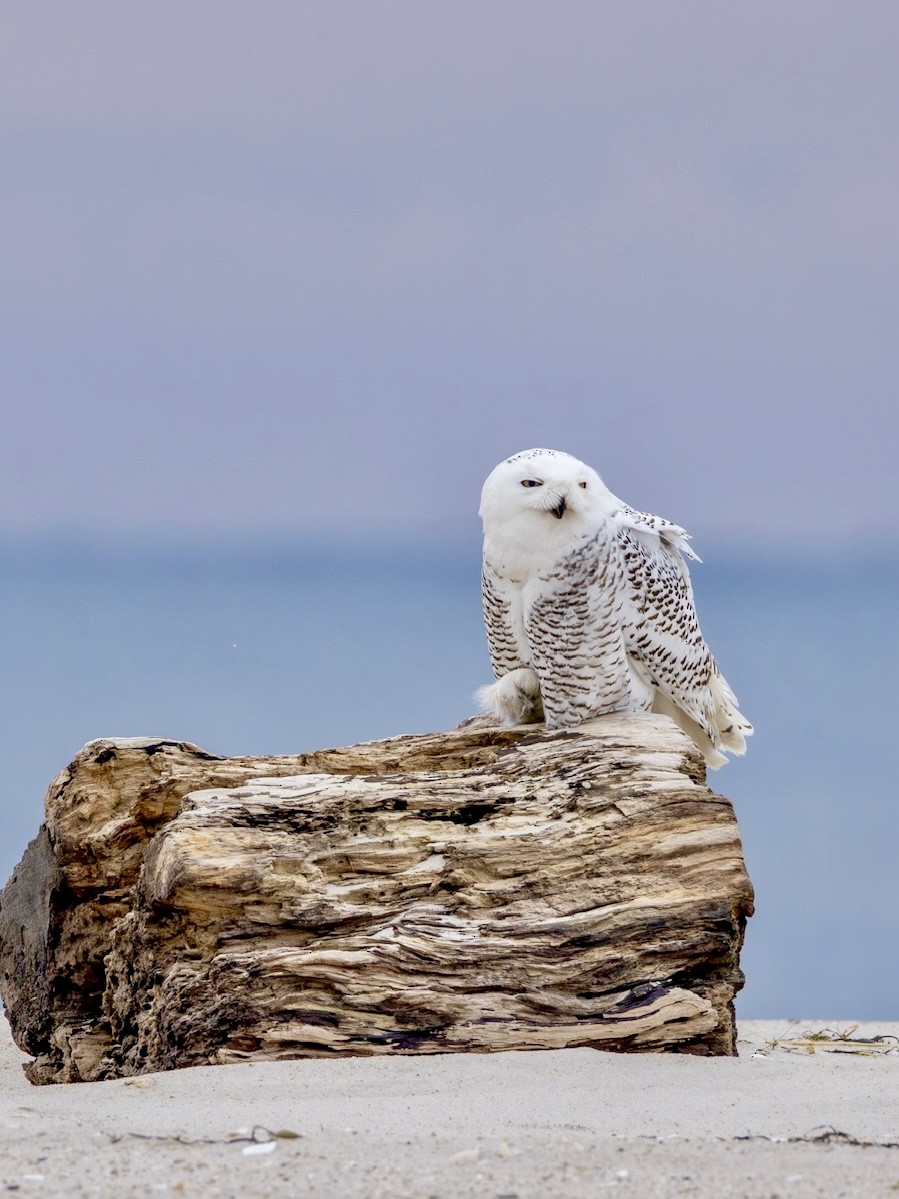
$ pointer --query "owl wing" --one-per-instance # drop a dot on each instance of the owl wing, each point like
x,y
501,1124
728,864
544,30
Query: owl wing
x,y
661,628
502,643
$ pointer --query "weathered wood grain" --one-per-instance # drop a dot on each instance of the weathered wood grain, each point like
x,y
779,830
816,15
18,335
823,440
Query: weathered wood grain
x,y
479,889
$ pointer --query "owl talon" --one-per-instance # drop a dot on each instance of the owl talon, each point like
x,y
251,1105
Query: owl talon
x,y
514,699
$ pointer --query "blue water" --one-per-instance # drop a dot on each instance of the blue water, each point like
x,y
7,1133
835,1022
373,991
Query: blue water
x,y
279,649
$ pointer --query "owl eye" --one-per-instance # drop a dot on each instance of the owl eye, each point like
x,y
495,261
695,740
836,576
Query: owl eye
x,y
532,482
583,483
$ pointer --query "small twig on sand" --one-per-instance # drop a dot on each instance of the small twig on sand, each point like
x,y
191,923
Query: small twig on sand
x,y
258,1133
825,1134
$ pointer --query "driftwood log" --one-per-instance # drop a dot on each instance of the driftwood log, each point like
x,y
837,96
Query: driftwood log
x,y
480,889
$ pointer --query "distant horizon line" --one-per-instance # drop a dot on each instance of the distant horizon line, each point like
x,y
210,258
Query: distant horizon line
x,y
128,542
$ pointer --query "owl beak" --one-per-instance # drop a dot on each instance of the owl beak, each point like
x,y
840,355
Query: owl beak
x,y
559,510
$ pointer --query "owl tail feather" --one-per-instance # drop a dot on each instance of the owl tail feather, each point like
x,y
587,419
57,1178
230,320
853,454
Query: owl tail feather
x,y
726,728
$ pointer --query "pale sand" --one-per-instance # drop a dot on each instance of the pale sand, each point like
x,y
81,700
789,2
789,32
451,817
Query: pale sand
x,y
569,1123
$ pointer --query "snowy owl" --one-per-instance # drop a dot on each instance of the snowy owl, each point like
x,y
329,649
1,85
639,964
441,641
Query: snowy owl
x,y
589,608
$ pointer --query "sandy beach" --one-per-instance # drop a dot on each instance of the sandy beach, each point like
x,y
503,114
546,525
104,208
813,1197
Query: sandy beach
x,y
787,1117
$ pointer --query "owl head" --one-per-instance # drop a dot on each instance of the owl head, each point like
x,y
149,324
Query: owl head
x,y
543,492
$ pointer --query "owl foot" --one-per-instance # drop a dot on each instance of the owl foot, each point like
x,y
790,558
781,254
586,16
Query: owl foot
x,y
513,699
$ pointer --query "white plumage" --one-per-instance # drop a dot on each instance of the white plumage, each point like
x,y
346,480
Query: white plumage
x,y
589,608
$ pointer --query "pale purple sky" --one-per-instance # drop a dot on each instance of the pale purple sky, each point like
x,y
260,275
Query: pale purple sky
x,y
318,266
